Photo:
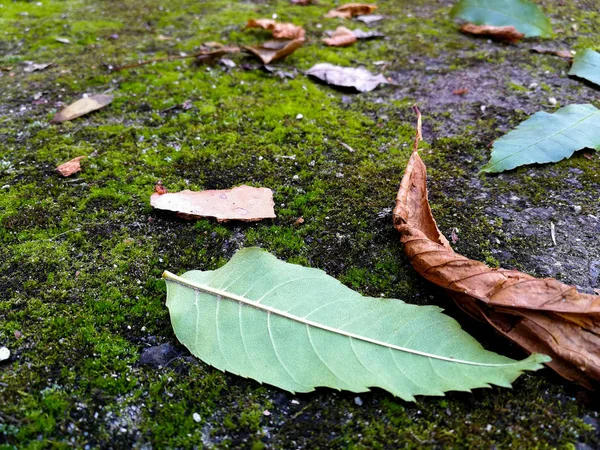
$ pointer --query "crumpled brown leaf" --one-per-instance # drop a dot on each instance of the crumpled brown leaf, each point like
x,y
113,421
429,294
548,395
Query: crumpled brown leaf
x,y
280,30
274,50
506,33
540,315
350,10
70,167
341,37
245,203
81,107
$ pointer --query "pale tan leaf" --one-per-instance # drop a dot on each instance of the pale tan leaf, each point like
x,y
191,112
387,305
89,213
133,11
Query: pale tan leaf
x,y
350,10
505,33
274,50
540,315
280,30
341,37
70,167
243,203
561,53
81,107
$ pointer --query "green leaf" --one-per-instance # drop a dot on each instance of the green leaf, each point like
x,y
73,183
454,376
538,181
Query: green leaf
x,y
545,138
587,65
297,328
525,16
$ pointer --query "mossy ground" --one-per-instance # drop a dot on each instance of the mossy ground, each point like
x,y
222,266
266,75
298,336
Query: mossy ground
x,y
81,258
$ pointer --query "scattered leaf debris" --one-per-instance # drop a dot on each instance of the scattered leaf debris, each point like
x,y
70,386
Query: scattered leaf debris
x,y
341,37
350,10
275,50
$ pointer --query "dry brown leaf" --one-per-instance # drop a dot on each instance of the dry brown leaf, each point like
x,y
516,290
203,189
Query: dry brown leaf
x,y
347,77
506,33
81,107
280,30
274,50
350,10
341,37
244,203
562,53
541,315
70,167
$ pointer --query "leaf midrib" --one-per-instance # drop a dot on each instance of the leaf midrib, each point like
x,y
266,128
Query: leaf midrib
x,y
233,297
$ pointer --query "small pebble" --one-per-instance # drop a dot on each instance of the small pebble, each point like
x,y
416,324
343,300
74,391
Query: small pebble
x,y
576,209
4,353
552,101
299,117
295,177
266,412
196,417
533,85
358,401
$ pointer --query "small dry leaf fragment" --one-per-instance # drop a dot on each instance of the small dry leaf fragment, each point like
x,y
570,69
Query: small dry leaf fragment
x,y
280,30
4,353
561,53
360,34
82,106
506,33
62,40
341,37
244,203
304,2
370,19
33,67
70,167
350,10
348,77
159,188
461,91
274,50
541,315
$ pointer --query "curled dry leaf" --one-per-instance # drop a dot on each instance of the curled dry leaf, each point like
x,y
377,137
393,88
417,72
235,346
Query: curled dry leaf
x,y
561,53
280,30
81,107
33,67
274,50
341,37
70,167
348,77
360,34
540,315
244,203
350,10
506,33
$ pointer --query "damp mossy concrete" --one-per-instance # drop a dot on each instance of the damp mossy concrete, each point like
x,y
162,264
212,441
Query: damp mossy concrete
x,y
81,258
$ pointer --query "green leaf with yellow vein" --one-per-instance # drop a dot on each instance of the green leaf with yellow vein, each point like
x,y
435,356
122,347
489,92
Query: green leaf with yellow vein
x,y
524,15
545,138
297,328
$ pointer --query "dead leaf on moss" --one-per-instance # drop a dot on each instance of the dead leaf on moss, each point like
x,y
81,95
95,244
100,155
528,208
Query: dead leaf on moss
x,y
70,167
341,37
244,203
350,10
279,30
348,77
506,33
540,315
360,34
561,53
274,50
33,67
81,107
304,2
